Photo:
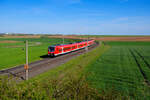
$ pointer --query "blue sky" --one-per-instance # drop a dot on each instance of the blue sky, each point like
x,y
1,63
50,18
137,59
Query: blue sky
x,y
119,17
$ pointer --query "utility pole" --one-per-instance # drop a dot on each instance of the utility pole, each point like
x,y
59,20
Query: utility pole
x,y
26,66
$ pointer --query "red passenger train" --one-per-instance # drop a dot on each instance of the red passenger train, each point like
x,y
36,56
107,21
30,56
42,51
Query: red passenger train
x,y
66,48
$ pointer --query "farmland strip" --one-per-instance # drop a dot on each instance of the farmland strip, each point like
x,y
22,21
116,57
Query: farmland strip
x,y
148,65
140,68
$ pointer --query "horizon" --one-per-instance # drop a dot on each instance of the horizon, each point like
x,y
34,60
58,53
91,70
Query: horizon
x,y
111,17
108,34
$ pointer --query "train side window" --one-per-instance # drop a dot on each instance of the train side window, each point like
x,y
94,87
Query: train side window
x,y
73,47
60,50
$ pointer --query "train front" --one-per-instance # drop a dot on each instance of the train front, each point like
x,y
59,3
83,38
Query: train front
x,y
51,50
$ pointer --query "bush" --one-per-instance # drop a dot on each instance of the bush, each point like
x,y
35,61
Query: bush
x,y
70,88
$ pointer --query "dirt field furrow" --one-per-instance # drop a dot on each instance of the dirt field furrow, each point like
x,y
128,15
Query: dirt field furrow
x,y
140,68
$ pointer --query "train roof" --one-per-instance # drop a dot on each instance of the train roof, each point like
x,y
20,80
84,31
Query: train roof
x,y
68,43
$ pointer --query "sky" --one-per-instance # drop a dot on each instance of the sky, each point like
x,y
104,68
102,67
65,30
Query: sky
x,y
104,17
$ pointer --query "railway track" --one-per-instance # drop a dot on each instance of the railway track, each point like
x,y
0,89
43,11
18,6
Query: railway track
x,y
38,67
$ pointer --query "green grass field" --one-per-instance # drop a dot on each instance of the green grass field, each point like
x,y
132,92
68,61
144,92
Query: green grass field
x,y
13,54
124,69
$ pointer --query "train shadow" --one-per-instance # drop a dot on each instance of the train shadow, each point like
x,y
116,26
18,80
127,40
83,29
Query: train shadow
x,y
45,56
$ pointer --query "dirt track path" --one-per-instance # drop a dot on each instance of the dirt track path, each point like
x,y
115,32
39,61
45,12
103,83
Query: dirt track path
x,y
41,66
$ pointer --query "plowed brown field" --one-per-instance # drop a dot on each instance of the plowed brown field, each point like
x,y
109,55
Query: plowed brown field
x,y
10,41
24,36
138,38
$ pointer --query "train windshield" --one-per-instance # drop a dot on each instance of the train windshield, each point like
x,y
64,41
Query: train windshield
x,y
51,49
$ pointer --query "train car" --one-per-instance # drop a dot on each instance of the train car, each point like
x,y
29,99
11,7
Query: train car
x,y
66,48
